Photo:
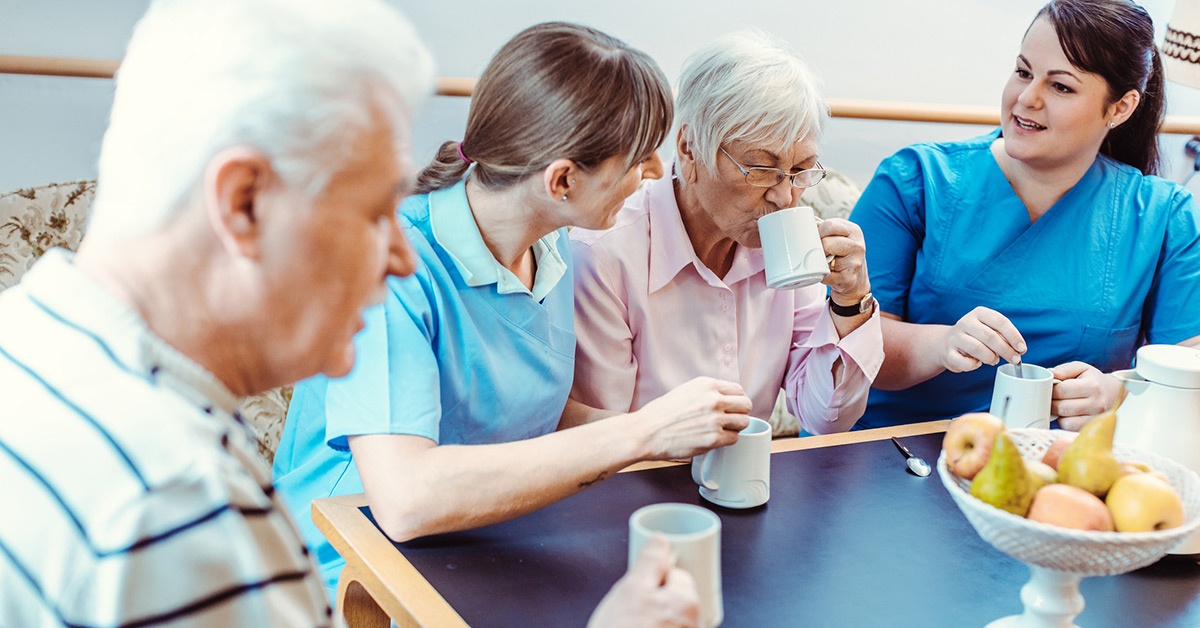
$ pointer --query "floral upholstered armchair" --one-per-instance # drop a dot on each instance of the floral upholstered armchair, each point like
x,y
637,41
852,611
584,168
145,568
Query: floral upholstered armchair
x,y
35,220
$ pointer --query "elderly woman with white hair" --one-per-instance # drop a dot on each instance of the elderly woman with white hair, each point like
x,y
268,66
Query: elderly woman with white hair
x,y
676,288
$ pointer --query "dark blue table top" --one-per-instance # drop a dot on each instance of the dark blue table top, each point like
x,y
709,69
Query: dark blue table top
x,y
849,538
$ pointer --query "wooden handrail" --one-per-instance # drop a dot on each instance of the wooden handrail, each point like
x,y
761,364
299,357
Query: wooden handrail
x,y
463,86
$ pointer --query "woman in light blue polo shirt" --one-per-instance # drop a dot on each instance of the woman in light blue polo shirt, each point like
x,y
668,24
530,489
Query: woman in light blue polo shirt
x,y
1047,238
448,420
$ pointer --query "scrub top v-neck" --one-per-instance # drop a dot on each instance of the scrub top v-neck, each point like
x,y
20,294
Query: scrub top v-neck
x,y
1115,262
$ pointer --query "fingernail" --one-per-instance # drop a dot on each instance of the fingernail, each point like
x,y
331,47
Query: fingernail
x,y
1021,347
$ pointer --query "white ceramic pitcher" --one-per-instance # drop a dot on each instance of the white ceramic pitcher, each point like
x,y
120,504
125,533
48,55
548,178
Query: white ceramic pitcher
x,y
1161,413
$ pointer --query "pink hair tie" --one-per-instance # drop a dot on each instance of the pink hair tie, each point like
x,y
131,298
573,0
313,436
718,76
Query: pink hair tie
x,y
461,155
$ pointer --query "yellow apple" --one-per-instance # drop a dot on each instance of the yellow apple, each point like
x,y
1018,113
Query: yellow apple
x,y
1141,502
1070,507
968,442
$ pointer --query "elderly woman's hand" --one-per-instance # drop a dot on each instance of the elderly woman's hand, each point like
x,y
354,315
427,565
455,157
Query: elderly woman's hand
x,y
847,280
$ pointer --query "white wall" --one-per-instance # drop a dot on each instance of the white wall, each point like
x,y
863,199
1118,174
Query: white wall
x,y
938,51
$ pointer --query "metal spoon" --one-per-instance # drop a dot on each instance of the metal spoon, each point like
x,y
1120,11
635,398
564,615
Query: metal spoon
x,y
918,466
1018,368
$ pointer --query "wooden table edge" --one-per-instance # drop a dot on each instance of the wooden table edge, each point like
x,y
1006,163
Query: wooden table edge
x,y
387,576
410,600
796,443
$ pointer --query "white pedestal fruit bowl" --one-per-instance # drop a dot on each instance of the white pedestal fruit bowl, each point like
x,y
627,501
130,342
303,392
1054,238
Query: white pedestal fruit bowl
x,y
1058,558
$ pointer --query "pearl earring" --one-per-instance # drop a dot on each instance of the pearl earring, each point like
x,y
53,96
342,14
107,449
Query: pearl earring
x,y
1112,125
564,198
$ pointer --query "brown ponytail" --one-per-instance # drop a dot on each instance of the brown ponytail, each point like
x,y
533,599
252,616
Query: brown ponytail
x,y
555,91
444,171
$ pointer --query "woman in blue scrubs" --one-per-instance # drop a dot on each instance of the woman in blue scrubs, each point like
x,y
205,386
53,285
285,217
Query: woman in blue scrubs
x,y
448,419
1048,239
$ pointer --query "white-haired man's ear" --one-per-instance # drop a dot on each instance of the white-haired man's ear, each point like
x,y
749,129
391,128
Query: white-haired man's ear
x,y
234,182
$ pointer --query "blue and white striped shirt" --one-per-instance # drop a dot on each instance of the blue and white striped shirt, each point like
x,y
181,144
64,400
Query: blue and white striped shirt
x,y
130,492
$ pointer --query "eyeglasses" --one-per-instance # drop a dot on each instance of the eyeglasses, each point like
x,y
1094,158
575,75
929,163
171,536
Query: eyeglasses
x,y
763,177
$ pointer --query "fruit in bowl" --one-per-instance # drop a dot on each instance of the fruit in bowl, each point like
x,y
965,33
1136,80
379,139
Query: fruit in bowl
x,y
1141,502
1005,482
1088,461
1063,540
1070,507
1055,451
1014,483
968,442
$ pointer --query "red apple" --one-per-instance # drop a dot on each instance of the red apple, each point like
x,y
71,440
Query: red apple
x,y
968,442
1070,507
1055,451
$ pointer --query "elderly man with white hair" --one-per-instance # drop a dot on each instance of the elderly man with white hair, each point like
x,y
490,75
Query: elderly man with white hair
x,y
676,289
246,215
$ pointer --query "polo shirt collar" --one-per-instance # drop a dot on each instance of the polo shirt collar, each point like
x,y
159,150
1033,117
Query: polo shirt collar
x,y
455,229
76,298
671,250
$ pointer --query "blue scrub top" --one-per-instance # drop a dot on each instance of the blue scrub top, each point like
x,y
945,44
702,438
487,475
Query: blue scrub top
x,y
1113,264
455,363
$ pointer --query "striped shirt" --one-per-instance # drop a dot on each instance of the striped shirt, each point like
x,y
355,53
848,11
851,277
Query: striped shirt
x,y
130,491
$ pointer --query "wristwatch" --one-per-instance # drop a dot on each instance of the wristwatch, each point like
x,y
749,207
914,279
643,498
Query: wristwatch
x,y
866,304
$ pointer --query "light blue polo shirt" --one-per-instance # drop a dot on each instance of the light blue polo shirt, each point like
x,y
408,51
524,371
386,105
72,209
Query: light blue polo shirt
x,y
460,353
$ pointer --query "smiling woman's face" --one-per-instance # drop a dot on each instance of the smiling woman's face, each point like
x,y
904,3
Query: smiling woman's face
x,y
735,206
1052,112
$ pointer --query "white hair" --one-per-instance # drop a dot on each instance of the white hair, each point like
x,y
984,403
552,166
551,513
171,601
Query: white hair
x,y
747,86
298,80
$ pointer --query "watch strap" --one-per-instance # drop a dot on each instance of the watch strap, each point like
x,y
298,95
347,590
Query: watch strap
x,y
864,305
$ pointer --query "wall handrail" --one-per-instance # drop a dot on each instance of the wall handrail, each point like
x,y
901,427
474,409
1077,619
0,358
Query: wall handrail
x,y
464,86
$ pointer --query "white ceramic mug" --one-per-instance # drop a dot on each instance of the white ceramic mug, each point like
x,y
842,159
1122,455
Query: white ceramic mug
x,y
792,248
737,475
1028,396
695,537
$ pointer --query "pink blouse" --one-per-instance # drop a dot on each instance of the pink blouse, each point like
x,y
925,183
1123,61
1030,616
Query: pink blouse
x,y
649,315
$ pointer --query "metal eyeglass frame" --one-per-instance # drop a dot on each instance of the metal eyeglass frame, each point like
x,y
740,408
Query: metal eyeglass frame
x,y
780,175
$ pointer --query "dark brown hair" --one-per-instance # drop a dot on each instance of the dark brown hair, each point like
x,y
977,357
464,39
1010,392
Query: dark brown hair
x,y
1115,40
557,90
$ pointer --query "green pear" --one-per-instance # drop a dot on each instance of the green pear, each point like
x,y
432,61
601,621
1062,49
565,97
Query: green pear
x,y
1088,462
1005,482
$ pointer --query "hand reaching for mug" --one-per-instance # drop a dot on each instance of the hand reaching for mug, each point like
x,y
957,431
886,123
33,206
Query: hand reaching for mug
x,y
696,416
653,593
1082,393
982,336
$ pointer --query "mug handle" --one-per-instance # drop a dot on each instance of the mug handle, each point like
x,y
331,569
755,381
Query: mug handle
x,y
702,466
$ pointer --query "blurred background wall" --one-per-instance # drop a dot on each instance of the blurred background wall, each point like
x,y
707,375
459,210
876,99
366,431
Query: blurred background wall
x,y
930,51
